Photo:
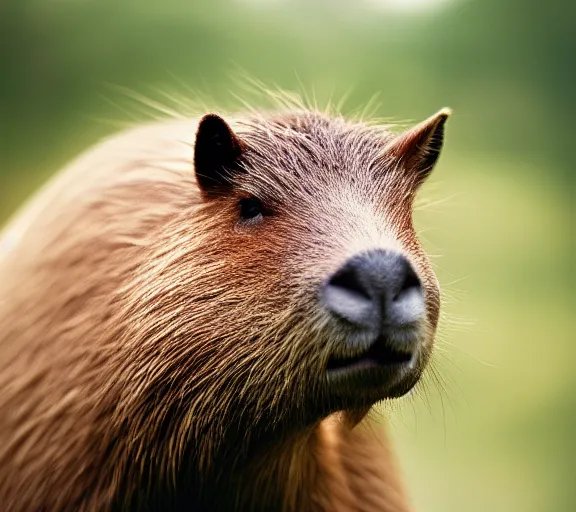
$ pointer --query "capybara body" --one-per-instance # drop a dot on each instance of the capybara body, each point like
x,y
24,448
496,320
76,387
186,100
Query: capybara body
x,y
166,338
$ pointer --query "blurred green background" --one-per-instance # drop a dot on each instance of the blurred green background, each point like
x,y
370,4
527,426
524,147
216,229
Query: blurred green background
x,y
498,433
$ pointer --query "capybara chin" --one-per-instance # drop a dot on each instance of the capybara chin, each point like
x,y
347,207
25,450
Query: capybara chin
x,y
199,314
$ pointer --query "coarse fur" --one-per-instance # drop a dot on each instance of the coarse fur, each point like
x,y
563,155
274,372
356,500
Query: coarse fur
x,y
158,353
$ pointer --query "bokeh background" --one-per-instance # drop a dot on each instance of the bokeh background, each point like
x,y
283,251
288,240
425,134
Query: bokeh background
x,y
498,433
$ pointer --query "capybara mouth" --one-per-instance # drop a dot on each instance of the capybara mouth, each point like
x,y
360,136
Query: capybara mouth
x,y
382,371
379,354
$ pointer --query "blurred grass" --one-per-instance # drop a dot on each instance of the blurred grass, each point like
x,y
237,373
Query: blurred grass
x,y
500,437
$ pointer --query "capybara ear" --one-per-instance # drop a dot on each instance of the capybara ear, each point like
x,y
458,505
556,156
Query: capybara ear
x,y
216,154
418,149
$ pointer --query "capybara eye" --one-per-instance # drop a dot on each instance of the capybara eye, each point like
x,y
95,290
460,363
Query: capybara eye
x,y
251,208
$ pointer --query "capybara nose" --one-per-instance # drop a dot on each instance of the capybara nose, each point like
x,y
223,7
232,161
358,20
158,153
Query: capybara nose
x,y
375,290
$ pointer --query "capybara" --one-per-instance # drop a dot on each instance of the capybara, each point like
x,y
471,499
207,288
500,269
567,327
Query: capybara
x,y
199,314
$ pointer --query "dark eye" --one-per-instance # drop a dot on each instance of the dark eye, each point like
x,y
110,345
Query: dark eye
x,y
250,208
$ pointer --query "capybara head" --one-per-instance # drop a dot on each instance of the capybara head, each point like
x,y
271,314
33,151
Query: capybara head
x,y
185,312
291,287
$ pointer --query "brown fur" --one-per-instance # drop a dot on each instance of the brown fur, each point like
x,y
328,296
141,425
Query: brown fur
x,y
156,355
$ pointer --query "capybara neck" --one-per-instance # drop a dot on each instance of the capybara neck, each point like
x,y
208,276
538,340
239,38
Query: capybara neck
x,y
335,465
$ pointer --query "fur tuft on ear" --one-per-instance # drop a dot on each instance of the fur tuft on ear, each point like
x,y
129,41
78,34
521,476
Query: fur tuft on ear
x,y
217,151
418,149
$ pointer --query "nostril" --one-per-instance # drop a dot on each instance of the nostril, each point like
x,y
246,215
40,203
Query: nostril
x,y
346,297
410,282
348,280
